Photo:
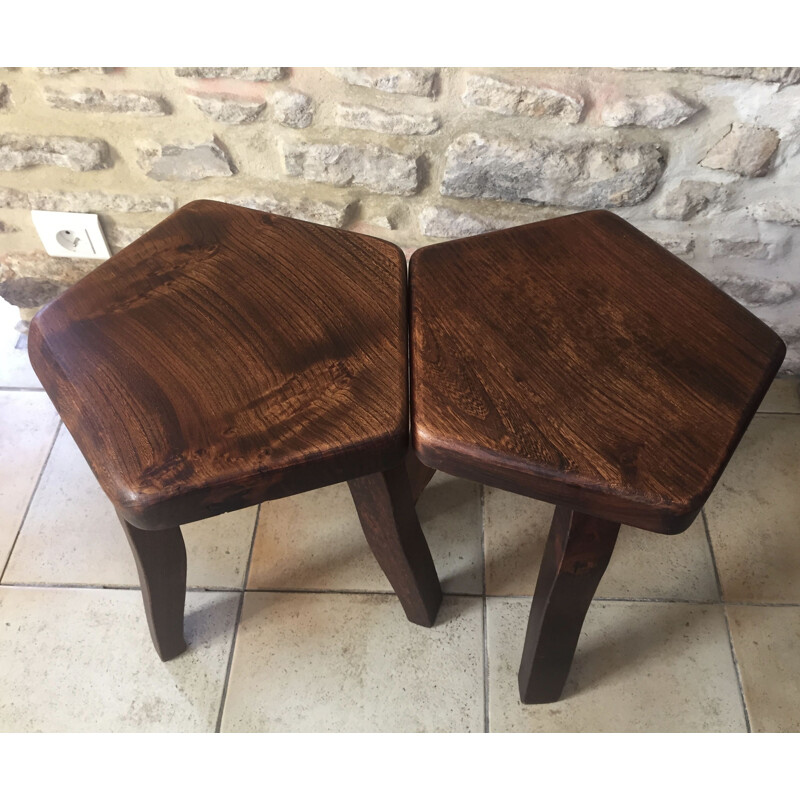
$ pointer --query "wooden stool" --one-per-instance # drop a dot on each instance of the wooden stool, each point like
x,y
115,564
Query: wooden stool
x,y
578,362
229,357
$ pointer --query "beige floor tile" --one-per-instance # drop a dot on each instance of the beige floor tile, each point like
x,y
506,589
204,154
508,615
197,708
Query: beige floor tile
x,y
82,660
314,540
72,536
28,423
754,515
332,662
639,667
644,564
783,396
767,645
15,366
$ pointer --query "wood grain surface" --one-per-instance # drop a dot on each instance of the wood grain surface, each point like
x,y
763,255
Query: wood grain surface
x,y
228,357
577,361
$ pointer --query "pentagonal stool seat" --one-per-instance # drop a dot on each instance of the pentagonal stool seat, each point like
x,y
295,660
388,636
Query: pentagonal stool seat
x,y
228,357
577,361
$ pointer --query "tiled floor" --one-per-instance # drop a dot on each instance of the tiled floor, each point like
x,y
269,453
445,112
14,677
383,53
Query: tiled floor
x,y
291,626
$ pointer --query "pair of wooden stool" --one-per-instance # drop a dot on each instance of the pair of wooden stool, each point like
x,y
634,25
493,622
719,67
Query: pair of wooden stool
x,y
229,357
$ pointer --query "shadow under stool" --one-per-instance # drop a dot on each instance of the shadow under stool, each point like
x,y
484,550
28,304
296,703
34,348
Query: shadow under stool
x,y
578,362
229,357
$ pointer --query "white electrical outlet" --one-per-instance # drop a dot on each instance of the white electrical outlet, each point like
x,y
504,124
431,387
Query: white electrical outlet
x,y
71,235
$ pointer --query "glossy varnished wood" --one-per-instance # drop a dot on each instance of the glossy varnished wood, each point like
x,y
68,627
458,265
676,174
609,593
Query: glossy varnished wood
x,y
576,555
386,509
577,361
228,357
161,562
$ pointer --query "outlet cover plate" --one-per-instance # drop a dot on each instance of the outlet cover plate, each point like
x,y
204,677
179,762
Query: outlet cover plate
x,y
83,228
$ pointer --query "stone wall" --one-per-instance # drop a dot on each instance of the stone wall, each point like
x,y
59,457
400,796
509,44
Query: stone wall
x,y
705,160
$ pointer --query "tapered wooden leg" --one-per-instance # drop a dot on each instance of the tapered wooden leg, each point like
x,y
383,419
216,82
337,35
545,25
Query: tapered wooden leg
x,y
161,560
577,553
419,476
386,510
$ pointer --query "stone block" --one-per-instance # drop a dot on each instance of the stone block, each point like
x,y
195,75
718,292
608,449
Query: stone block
x,y
29,292
745,149
739,248
332,214
446,223
658,110
144,104
243,73
193,162
692,198
369,118
293,109
784,213
582,174
378,169
228,109
514,100
19,151
755,291
418,81
87,202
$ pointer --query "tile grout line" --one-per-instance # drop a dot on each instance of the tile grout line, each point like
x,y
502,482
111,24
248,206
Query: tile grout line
x,y
30,500
736,668
484,603
225,683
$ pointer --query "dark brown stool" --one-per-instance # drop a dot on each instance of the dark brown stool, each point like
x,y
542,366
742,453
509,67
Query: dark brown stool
x,y
578,362
229,357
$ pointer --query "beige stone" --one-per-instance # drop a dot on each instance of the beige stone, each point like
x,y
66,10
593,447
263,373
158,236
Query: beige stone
x,y
176,162
145,104
370,118
639,667
293,109
70,152
753,515
228,109
783,213
767,646
353,663
396,80
745,149
91,665
690,199
242,73
65,271
444,222
29,424
333,214
87,202
511,99
659,110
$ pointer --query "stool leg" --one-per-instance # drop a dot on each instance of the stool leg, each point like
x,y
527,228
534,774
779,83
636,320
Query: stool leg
x,y
577,553
161,560
386,510
419,476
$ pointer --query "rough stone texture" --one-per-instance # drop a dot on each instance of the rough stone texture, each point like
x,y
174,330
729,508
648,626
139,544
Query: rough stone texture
x,y
786,76
660,110
739,248
29,292
174,162
376,168
446,223
581,174
370,118
691,198
39,265
755,291
677,245
513,100
144,104
243,73
776,211
228,109
293,109
398,80
120,236
5,97
88,202
333,214
67,70
745,149
70,152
